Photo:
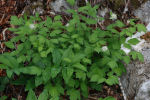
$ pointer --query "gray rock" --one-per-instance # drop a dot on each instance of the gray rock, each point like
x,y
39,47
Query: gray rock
x,y
34,6
144,91
143,12
137,77
60,6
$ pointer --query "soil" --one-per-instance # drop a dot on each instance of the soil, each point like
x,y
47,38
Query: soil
x,y
9,8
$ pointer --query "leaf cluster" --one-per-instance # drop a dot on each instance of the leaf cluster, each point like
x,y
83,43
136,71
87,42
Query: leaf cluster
x,y
67,60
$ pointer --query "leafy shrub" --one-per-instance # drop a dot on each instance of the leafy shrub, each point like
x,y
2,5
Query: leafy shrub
x,y
66,59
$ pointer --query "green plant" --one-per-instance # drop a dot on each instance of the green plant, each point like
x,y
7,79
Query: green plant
x,y
107,98
3,82
67,60
3,98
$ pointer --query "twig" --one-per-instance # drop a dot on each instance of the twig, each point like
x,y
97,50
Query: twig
x,y
100,24
93,98
126,6
4,38
4,32
19,95
1,46
48,1
2,18
86,1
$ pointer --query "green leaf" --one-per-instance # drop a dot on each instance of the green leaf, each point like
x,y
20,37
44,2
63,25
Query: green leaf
x,y
101,80
132,21
84,89
100,99
96,86
95,78
119,70
81,75
132,29
115,44
46,74
113,64
120,24
31,95
133,54
80,40
53,91
38,81
20,47
67,73
73,94
67,60
14,99
55,71
48,22
141,27
43,95
10,45
57,18
77,57
3,98
9,73
60,89
105,60
112,80
77,46
129,33
109,98
16,21
43,54
89,20
55,32
21,59
54,98
9,61
71,2
93,38
79,66
56,91
30,84
140,56
127,45
111,73
56,25
86,60
56,56
126,59
133,41
70,72
124,31
2,66
32,70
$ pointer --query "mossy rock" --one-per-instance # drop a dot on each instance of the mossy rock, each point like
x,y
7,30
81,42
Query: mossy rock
x,y
120,4
117,4
137,3
35,6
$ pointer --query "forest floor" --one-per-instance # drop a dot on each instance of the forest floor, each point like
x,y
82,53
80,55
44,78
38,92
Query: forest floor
x,y
15,7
